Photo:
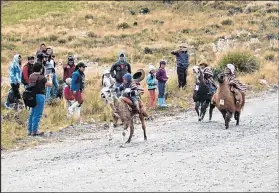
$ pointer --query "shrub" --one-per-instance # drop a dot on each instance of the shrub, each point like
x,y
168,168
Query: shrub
x,y
135,23
91,35
244,61
147,50
144,10
186,31
61,41
70,38
132,12
157,22
52,38
89,16
227,22
123,26
269,56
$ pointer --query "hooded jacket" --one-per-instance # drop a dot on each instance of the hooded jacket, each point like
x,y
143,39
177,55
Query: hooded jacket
x,y
15,71
120,68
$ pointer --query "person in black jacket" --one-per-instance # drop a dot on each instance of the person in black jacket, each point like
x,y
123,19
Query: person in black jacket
x,y
27,71
119,69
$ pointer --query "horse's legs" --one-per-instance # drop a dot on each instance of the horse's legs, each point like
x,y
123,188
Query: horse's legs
x,y
126,125
197,105
203,109
227,119
131,130
237,116
143,125
210,111
223,113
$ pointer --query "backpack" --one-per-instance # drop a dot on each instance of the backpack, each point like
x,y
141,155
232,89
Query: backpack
x,y
29,96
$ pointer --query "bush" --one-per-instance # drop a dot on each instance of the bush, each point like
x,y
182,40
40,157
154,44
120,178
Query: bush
x,y
227,22
52,38
269,56
91,35
62,41
147,50
244,61
144,10
89,16
186,31
132,12
123,26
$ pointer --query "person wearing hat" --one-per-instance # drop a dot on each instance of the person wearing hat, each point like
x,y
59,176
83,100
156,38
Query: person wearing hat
x,y
119,69
151,83
182,63
42,59
132,87
162,78
77,85
68,68
236,87
27,70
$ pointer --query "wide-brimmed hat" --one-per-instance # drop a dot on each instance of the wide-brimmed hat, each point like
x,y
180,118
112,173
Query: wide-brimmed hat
x,y
151,67
203,62
207,70
139,75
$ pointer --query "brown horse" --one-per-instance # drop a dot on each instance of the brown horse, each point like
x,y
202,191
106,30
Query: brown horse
x,y
126,115
224,100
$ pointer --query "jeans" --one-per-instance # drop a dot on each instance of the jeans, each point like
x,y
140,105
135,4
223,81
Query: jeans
x,y
161,89
52,91
36,114
182,76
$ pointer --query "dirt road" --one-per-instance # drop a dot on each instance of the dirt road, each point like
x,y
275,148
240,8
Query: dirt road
x,y
181,154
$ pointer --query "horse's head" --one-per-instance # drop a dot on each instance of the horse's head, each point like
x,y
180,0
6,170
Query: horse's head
x,y
107,95
197,72
221,78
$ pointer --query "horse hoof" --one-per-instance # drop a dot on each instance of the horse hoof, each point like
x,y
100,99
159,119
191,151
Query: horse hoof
x,y
199,120
145,138
128,141
122,146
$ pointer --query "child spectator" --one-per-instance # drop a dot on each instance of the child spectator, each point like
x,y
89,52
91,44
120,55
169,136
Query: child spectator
x,y
68,94
162,78
151,83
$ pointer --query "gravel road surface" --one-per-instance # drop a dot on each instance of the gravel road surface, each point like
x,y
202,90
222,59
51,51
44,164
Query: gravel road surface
x,y
181,154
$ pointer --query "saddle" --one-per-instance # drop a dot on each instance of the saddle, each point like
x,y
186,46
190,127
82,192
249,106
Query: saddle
x,y
133,107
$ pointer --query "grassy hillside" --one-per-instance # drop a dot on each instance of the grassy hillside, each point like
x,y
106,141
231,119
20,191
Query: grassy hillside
x,y
97,31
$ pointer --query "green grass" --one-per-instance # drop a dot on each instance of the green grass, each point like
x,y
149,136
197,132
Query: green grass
x,y
16,11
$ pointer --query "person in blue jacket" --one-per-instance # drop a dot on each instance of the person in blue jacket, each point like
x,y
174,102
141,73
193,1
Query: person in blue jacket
x,y
77,86
151,82
15,79
182,63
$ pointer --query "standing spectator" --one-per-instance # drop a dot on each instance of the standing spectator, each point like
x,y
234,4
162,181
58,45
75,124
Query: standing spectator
x,y
15,79
118,70
162,78
50,69
27,71
38,82
151,83
107,80
41,50
68,94
77,86
42,59
68,68
182,63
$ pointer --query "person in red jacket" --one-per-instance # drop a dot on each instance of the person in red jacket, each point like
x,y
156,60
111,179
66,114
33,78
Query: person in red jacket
x,y
68,95
68,68
27,71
